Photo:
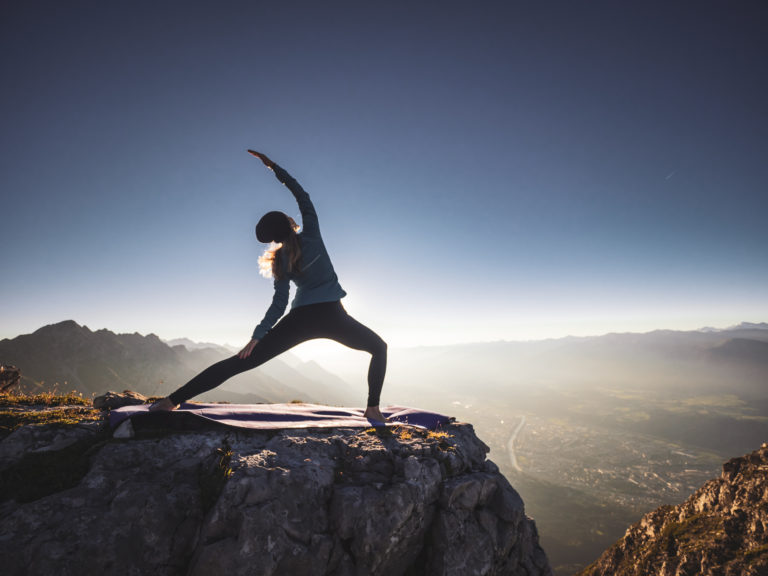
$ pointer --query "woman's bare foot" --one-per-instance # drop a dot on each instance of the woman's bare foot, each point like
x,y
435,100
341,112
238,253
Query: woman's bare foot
x,y
373,413
163,405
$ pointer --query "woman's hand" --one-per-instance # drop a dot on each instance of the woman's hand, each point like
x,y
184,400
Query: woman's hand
x,y
245,352
263,157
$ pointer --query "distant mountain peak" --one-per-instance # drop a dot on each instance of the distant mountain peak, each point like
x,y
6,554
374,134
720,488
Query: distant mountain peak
x,y
750,326
74,357
64,325
192,345
740,326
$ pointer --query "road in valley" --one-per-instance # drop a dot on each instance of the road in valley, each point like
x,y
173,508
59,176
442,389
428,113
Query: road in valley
x,y
511,445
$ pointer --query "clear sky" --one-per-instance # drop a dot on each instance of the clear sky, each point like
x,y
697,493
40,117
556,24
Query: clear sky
x,y
482,170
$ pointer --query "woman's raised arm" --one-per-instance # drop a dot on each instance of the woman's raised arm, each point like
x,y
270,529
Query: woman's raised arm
x,y
263,157
309,222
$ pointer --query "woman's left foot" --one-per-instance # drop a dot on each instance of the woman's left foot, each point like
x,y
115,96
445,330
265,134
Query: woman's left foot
x,y
163,405
373,413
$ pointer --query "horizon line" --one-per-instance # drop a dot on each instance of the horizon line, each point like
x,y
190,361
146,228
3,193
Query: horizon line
x,y
704,329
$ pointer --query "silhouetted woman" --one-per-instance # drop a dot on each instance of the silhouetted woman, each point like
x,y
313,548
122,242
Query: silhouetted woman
x,y
316,311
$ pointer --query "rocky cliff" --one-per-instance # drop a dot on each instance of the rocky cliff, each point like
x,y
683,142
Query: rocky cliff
x,y
75,500
721,530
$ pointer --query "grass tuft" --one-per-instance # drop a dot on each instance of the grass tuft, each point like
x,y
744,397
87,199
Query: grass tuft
x,y
17,410
51,398
213,478
10,420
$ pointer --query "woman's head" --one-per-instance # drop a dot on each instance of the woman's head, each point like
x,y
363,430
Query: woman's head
x,y
275,227
283,256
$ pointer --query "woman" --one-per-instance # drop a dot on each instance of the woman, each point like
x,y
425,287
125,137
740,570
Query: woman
x,y
316,311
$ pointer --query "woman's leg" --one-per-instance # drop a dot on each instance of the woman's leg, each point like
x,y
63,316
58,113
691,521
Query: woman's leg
x,y
344,329
325,320
294,328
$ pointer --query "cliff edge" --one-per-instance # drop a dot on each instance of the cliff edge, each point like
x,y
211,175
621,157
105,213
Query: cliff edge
x,y
75,500
721,530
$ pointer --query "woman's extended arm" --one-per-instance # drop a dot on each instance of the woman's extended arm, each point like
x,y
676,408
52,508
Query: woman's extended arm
x,y
263,157
275,310
309,219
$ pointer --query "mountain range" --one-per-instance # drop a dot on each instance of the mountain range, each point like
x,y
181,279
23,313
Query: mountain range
x,y
663,360
71,356
68,356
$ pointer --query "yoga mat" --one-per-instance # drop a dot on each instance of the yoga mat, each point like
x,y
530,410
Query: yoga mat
x,y
279,416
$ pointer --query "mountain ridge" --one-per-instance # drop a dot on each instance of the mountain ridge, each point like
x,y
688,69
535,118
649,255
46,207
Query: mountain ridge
x,y
68,355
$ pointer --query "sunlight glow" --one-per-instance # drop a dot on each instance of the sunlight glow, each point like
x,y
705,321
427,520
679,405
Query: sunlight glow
x,y
266,259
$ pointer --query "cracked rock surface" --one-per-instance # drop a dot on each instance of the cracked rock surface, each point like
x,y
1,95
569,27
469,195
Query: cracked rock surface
x,y
224,501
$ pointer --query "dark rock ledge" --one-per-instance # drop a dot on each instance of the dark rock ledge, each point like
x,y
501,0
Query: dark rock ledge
x,y
224,501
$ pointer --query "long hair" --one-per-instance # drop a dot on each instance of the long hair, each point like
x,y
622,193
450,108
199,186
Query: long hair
x,y
289,251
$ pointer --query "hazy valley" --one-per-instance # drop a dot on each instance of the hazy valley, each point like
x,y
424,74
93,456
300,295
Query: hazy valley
x,y
593,432
601,429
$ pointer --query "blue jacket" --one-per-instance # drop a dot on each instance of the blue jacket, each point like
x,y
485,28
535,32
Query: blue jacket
x,y
317,281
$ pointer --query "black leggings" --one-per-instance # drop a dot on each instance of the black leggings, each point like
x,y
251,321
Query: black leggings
x,y
324,320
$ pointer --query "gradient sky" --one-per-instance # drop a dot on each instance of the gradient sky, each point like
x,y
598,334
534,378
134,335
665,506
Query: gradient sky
x,y
482,170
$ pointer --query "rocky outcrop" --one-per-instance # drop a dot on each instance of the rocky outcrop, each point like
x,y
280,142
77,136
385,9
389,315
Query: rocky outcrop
x,y
721,530
111,400
224,501
9,377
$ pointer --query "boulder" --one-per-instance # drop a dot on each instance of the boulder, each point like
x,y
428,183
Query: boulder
x,y
112,400
9,377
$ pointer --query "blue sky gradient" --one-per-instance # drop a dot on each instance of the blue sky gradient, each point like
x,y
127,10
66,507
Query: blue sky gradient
x,y
496,170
